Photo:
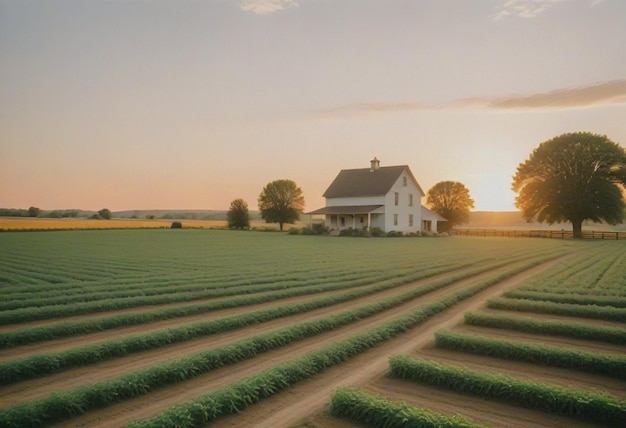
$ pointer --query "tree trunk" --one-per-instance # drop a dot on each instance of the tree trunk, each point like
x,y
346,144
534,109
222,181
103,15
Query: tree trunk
x,y
281,226
577,229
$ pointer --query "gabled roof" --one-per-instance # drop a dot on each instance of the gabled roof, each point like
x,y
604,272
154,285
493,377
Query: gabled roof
x,y
365,182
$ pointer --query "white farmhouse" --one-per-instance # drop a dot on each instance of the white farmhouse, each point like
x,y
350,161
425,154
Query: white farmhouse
x,y
387,197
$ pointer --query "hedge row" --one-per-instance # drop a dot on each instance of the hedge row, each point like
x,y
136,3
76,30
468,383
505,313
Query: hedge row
x,y
556,328
611,365
65,405
377,412
580,311
586,405
577,299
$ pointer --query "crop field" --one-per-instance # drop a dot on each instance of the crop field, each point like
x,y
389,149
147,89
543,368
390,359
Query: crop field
x,y
49,224
191,327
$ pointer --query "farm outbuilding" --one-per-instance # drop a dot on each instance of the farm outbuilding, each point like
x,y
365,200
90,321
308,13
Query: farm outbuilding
x,y
387,197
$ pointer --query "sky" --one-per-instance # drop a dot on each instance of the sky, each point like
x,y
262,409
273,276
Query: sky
x,y
190,104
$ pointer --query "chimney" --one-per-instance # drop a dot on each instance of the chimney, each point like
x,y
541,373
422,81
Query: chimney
x,y
374,164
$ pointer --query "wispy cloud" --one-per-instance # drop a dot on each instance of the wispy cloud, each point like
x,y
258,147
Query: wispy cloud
x,y
613,92
266,7
530,8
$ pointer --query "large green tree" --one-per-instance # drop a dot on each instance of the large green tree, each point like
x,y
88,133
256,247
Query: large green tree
x,y
237,215
281,202
572,178
452,201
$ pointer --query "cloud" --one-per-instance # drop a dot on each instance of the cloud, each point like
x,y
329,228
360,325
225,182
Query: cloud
x,y
612,92
530,8
266,7
524,8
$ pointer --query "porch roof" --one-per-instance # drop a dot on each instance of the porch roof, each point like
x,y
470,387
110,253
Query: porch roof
x,y
347,209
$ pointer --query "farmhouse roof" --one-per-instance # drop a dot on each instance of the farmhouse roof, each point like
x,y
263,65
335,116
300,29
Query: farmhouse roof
x,y
367,181
347,209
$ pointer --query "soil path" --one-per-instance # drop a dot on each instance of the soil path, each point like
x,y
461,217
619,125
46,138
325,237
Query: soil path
x,y
478,409
305,399
309,397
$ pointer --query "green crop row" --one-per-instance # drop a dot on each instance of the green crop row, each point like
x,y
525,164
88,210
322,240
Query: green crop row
x,y
191,285
41,365
577,299
357,405
600,274
556,328
58,311
579,271
573,359
242,394
61,406
87,295
67,329
48,312
581,311
586,405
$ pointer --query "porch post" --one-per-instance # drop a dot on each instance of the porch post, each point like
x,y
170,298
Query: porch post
x,y
354,221
369,221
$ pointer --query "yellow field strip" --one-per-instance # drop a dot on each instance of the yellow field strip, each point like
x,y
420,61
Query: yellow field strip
x,y
14,223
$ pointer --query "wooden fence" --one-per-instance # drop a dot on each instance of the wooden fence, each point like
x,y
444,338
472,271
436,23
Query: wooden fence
x,y
556,234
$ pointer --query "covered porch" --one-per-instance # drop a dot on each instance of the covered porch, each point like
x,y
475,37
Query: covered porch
x,y
352,216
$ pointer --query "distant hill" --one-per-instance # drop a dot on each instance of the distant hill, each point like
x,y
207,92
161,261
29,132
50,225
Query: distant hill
x,y
180,214
514,220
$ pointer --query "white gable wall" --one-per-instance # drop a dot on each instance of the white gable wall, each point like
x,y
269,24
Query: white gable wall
x,y
403,209
361,200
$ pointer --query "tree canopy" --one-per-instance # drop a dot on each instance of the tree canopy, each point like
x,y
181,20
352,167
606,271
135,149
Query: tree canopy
x,y
572,178
105,213
281,201
452,201
238,216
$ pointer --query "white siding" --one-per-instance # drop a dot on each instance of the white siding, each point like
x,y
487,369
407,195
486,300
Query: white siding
x,y
403,209
363,200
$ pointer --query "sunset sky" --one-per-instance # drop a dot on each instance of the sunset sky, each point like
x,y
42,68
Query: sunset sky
x,y
189,104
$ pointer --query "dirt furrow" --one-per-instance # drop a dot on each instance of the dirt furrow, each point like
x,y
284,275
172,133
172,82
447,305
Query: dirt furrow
x,y
544,339
478,409
309,397
42,387
527,371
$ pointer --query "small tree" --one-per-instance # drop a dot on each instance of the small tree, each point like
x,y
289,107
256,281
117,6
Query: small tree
x,y
237,216
34,212
281,202
105,213
452,201
573,177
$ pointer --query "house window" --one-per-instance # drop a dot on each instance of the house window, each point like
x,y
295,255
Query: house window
x,y
410,220
343,221
396,198
427,225
404,181
362,219
410,199
395,219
